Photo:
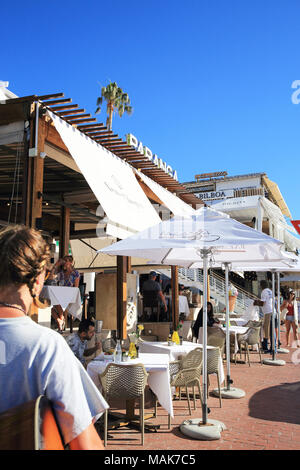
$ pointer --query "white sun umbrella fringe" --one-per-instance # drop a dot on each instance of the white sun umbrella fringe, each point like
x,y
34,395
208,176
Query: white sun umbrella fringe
x,y
190,241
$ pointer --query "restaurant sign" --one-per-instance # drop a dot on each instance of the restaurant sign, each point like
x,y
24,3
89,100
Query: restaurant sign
x,y
133,142
215,194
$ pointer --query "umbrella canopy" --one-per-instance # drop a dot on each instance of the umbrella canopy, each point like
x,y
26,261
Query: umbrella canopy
x,y
195,241
180,241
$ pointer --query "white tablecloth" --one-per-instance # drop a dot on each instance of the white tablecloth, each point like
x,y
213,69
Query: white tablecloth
x,y
234,330
177,350
68,297
157,366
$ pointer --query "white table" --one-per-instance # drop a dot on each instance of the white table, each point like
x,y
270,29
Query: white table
x,y
177,350
68,297
235,330
156,365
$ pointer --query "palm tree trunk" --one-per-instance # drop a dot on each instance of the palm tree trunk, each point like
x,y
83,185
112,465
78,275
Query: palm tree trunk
x,y
110,109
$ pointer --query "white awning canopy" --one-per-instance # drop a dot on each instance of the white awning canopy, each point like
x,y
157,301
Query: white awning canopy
x,y
112,181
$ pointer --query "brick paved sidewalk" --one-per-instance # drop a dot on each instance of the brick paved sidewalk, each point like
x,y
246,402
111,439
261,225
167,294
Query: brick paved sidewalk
x,y
267,418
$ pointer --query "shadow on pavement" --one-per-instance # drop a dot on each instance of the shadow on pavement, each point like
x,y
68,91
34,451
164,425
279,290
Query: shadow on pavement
x,y
280,403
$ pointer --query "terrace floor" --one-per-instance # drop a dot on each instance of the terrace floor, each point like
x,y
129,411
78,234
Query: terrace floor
x,y
267,418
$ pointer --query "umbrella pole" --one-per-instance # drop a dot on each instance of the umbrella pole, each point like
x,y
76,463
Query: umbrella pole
x,y
227,324
273,361
228,391
273,317
278,309
280,350
204,329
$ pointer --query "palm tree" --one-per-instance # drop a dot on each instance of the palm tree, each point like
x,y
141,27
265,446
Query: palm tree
x,y
117,101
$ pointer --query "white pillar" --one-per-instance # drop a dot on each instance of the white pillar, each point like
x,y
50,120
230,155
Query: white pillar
x,y
89,279
260,215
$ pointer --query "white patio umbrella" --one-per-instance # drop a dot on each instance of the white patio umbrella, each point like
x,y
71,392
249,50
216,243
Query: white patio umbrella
x,y
195,241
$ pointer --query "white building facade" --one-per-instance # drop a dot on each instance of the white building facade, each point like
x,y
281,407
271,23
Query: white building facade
x,y
252,199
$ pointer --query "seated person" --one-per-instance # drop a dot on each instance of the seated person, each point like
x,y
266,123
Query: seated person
x,y
78,341
211,321
50,278
67,276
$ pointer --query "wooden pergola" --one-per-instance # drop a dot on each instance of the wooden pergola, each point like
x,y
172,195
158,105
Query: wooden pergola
x,y
51,194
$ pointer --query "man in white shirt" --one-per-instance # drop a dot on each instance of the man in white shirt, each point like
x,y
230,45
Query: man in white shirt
x,y
267,310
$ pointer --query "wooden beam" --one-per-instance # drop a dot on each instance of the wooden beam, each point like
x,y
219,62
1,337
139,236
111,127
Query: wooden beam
x,y
91,126
82,120
150,194
59,108
51,102
47,97
36,175
64,238
74,118
100,134
112,141
122,269
66,113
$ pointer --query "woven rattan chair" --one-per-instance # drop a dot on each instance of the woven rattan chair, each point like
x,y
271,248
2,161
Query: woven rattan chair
x,y
108,344
213,357
250,338
187,373
254,323
126,382
216,337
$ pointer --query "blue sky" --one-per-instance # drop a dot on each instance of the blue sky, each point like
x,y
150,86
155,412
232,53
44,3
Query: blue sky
x,y
209,81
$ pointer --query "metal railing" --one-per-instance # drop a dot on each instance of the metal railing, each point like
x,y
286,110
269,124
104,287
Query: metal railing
x,y
194,277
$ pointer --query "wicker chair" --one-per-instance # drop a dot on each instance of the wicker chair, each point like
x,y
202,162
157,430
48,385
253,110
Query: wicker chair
x,y
187,373
213,357
254,323
216,337
125,382
250,338
108,344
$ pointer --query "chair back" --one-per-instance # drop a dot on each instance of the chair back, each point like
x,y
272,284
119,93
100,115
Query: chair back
x,y
253,335
216,337
123,381
254,324
213,357
192,360
189,371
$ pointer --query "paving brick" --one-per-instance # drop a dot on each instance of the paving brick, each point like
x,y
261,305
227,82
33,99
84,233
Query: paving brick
x,y
267,418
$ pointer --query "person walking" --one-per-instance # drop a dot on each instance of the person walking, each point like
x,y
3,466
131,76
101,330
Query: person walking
x,y
266,305
291,319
